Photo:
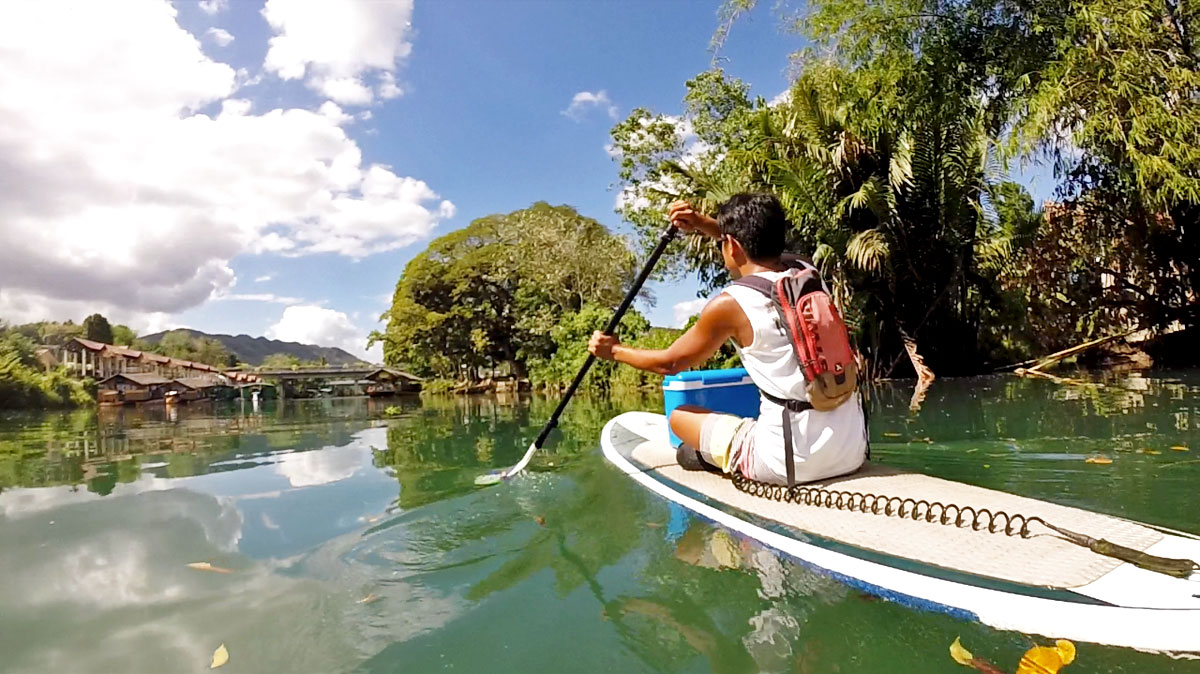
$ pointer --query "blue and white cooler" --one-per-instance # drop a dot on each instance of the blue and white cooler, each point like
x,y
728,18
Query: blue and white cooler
x,y
730,391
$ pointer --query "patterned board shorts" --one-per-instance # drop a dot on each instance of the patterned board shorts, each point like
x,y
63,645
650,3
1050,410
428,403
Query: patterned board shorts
x,y
727,442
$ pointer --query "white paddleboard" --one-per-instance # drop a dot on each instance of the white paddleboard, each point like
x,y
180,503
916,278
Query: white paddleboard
x,y
1040,585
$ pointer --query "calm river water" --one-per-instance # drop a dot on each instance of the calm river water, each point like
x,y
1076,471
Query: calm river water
x,y
347,541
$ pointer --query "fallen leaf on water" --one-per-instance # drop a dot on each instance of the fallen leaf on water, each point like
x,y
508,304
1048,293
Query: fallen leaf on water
x,y
987,465
205,566
220,657
964,657
1047,659
1098,459
540,520
1179,448
961,655
654,525
889,434
369,599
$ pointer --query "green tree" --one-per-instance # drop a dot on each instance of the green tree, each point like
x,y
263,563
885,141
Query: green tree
x,y
97,329
1104,89
894,208
280,361
123,335
57,334
490,294
183,345
25,384
1118,109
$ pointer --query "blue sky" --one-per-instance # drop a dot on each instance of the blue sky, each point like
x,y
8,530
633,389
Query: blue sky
x,y
461,104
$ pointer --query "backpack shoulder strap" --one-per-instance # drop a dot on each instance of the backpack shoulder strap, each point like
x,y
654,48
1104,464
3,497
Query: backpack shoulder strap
x,y
758,283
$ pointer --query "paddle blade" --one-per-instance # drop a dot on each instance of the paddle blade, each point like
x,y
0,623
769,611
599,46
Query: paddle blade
x,y
488,479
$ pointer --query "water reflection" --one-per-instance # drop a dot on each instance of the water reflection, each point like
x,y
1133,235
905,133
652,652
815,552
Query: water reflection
x,y
358,540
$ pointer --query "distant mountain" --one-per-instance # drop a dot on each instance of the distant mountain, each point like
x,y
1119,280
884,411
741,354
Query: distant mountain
x,y
252,350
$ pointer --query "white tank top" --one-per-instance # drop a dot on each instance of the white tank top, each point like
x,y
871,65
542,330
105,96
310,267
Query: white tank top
x,y
825,444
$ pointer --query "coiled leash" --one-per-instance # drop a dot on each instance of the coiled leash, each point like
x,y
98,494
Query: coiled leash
x,y
951,514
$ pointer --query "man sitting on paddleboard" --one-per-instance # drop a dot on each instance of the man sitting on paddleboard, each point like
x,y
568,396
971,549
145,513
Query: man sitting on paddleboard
x,y
751,230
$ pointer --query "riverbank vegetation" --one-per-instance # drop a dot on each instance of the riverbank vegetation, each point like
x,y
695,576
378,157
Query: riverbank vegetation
x,y
891,152
26,383
514,294
30,380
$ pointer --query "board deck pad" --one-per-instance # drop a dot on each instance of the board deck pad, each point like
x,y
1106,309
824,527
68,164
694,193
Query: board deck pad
x,y
1043,560
1039,585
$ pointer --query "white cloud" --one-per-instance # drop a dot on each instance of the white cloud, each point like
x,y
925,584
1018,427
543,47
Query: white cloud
x,y
585,101
388,87
258,297
683,311
19,306
333,112
213,6
312,324
117,193
334,44
220,36
346,90
331,464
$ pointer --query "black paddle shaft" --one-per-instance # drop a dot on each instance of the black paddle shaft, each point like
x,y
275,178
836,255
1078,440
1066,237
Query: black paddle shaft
x,y
667,236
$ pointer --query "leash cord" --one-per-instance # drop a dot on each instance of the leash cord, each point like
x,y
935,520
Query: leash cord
x,y
952,514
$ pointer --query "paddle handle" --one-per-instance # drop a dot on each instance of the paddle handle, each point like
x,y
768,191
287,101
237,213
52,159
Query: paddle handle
x,y
667,236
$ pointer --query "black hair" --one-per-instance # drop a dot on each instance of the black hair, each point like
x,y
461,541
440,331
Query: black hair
x,y
755,220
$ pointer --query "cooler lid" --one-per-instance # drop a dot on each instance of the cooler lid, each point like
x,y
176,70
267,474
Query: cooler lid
x,y
702,378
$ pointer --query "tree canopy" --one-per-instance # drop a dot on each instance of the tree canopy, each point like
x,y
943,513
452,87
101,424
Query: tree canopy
x,y
181,344
97,329
890,153
492,293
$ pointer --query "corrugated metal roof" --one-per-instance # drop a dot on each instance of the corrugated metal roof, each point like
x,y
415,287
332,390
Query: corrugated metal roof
x,y
198,382
89,344
139,378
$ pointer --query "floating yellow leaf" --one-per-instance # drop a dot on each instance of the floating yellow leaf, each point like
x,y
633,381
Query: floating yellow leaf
x,y
1046,659
1153,451
220,657
961,655
1179,448
369,599
889,434
1098,459
205,566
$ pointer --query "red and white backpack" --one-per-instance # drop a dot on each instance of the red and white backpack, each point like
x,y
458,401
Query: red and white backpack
x,y
816,331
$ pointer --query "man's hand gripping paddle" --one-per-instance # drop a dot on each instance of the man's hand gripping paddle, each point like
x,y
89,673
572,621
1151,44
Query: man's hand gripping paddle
x,y
496,476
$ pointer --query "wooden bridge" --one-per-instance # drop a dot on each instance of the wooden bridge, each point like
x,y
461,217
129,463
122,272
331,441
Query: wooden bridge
x,y
371,379
371,373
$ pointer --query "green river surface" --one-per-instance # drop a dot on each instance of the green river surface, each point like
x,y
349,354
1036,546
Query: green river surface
x,y
357,542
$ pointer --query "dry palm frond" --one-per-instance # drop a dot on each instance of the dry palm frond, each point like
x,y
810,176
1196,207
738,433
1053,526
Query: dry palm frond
x,y
868,250
900,170
873,195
